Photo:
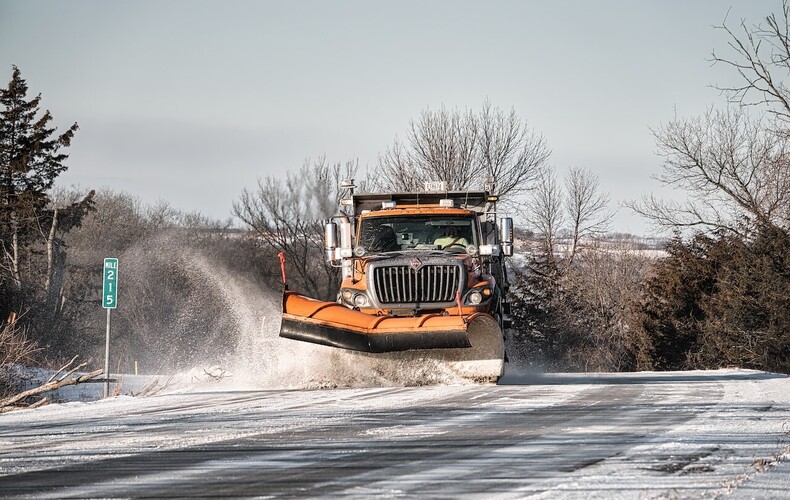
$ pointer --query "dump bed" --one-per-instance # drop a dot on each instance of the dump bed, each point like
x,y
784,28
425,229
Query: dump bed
x,y
477,201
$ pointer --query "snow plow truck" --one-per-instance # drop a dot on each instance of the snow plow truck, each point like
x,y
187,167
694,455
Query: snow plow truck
x,y
421,272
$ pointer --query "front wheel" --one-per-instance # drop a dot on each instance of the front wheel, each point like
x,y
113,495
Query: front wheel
x,y
484,362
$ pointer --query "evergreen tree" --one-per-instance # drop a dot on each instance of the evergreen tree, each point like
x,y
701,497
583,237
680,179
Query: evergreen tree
x,y
721,301
31,158
32,227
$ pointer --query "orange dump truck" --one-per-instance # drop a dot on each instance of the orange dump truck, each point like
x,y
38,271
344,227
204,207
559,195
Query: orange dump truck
x,y
421,272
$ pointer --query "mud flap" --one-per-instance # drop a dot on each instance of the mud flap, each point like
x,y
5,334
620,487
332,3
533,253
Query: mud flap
x,y
331,324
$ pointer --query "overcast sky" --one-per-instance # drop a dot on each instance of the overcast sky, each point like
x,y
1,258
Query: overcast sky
x,y
191,101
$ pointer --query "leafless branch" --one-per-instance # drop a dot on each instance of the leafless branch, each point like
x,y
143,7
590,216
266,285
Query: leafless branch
x,y
586,206
761,58
53,383
464,148
734,169
288,215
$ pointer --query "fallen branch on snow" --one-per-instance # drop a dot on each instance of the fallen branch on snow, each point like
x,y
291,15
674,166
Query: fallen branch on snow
x,y
56,381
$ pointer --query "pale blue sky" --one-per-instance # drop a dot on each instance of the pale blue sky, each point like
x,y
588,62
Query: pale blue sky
x,y
191,101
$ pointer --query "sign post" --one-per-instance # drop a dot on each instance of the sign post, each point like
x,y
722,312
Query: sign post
x,y
109,302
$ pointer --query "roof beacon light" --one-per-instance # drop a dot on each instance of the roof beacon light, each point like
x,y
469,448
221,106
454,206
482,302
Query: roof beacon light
x,y
388,204
446,203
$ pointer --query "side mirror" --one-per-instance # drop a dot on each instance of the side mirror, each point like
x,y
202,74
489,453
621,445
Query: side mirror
x,y
335,250
506,235
346,238
330,241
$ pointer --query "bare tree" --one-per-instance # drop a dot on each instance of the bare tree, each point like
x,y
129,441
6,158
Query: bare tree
x,y
761,57
577,208
544,210
65,212
288,215
442,145
397,171
735,169
586,206
463,149
510,152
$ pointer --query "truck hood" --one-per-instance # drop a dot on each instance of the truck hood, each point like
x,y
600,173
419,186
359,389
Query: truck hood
x,y
423,255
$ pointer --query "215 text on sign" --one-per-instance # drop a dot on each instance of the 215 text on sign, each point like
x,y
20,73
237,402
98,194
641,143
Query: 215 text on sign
x,y
110,290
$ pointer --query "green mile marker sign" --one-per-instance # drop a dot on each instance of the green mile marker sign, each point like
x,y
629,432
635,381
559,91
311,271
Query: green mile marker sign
x,y
110,294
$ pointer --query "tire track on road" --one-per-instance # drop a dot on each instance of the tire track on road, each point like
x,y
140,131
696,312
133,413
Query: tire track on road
x,y
468,439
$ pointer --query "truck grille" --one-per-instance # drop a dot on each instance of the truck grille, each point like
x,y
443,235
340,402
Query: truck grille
x,y
404,284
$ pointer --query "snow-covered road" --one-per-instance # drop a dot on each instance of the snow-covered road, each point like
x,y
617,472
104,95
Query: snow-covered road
x,y
640,435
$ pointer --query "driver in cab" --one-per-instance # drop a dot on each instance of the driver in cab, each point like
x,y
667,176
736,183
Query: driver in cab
x,y
452,236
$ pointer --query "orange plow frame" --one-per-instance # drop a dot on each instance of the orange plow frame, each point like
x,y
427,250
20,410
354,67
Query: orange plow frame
x,y
332,324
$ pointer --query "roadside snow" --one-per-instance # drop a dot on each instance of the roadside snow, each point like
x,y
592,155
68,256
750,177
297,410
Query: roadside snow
x,y
637,435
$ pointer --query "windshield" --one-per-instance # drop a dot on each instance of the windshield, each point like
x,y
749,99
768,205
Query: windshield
x,y
414,232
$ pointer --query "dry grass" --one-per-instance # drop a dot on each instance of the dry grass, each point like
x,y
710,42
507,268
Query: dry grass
x,y
15,348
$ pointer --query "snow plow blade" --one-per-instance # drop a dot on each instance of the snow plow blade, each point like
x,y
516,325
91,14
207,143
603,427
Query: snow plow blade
x,y
331,324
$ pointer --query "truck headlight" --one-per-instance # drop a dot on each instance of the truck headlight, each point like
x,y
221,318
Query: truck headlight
x,y
360,300
475,297
354,298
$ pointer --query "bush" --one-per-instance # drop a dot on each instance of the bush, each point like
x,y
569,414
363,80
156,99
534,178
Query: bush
x,y
582,317
15,348
721,301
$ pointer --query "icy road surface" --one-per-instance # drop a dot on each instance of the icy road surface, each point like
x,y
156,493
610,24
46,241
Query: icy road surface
x,y
644,435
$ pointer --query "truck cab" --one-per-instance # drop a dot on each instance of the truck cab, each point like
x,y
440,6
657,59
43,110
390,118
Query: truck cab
x,y
420,253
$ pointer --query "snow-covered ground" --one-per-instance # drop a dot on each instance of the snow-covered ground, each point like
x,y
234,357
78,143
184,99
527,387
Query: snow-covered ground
x,y
644,435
